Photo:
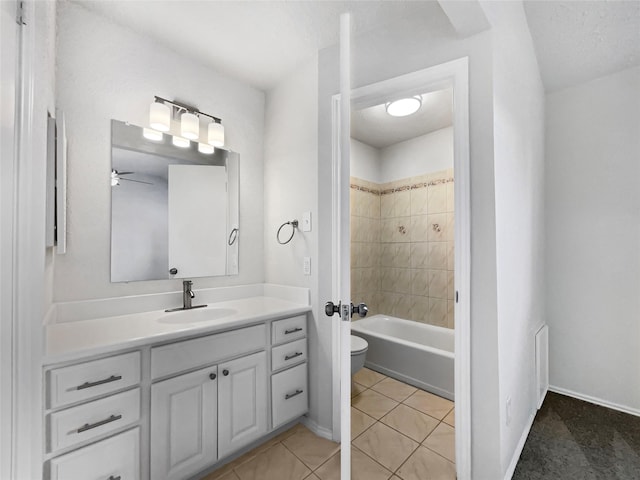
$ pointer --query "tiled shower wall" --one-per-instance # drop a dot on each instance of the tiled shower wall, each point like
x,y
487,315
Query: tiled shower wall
x,y
402,247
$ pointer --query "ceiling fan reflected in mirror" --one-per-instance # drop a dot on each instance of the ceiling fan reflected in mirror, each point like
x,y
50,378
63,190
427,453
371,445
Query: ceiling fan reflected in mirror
x,y
116,177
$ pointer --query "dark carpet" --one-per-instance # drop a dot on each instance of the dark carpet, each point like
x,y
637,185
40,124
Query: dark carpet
x,y
571,439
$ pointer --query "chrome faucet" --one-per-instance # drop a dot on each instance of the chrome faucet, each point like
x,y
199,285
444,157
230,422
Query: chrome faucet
x,y
187,296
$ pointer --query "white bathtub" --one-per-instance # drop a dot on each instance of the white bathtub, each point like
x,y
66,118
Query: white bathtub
x,y
415,353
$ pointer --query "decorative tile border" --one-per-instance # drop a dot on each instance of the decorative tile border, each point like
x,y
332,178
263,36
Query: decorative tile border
x,y
364,189
402,188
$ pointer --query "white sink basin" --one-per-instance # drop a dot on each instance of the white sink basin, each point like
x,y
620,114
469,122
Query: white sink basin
x,y
196,315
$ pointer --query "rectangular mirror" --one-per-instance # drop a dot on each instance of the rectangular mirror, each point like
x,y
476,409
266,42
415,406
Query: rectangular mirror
x,y
174,210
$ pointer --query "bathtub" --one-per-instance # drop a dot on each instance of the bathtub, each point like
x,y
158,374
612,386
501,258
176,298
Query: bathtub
x,y
415,353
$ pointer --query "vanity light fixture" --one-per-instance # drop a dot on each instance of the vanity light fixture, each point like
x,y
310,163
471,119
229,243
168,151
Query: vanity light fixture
x,y
404,106
190,126
162,111
205,148
216,134
160,117
151,134
180,142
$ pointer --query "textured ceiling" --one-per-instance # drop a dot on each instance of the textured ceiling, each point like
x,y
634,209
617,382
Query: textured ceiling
x,y
376,128
257,42
577,41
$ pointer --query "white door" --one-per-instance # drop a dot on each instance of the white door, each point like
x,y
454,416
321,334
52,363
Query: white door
x,y
183,424
341,267
242,402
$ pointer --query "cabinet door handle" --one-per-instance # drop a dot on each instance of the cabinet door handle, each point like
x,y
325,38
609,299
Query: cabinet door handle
x,y
111,477
89,426
225,372
291,395
293,355
112,378
293,330
212,376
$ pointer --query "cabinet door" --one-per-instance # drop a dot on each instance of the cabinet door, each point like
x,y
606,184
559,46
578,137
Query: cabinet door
x,y
183,424
242,414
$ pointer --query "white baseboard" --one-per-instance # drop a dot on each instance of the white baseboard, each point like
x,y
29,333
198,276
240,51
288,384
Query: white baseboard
x,y
595,401
516,455
317,429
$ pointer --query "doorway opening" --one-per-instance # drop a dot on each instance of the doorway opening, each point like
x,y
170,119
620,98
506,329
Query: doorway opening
x,y
410,258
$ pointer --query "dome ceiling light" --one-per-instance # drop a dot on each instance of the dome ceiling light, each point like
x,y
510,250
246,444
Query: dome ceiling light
x,y
404,106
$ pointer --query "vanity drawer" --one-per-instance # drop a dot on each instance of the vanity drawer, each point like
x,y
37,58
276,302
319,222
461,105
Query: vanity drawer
x,y
117,457
91,379
288,329
289,394
288,354
181,356
84,422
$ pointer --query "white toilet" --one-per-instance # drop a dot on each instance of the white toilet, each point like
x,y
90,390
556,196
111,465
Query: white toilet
x,y
359,348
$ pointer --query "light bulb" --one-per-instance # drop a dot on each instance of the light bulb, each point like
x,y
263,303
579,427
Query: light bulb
x,y
205,148
160,117
181,142
404,106
190,125
151,134
216,134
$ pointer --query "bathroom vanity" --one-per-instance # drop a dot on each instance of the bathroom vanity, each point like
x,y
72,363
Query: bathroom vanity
x,y
156,395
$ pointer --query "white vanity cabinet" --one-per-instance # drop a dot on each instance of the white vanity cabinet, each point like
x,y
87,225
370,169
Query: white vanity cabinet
x,y
242,407
289,385
184,413
87,402
173,410
207,414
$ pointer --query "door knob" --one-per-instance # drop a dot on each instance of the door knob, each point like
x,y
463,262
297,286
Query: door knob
x,y
212,376
361,309
173,271
225,372
330,308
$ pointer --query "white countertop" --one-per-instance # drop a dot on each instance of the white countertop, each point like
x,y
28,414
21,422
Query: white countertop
x,y
78,339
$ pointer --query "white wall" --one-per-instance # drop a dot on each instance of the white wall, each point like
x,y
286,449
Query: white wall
x,y
365,161
592,216
291,188
410,45
428,153
519,165
106,72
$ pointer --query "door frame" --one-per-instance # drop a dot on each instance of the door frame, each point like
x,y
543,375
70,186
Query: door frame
x,y
453,74
22,272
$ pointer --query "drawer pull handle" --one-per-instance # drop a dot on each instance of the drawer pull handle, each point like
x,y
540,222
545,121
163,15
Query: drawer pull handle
x,y
89,426
291,395
293,330
111,477
112,378
294,355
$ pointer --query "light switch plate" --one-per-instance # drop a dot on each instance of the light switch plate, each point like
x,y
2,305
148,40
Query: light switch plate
x,y
306,221
306,266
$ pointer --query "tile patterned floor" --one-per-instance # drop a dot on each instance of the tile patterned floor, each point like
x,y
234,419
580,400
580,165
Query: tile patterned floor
x,y
398,432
